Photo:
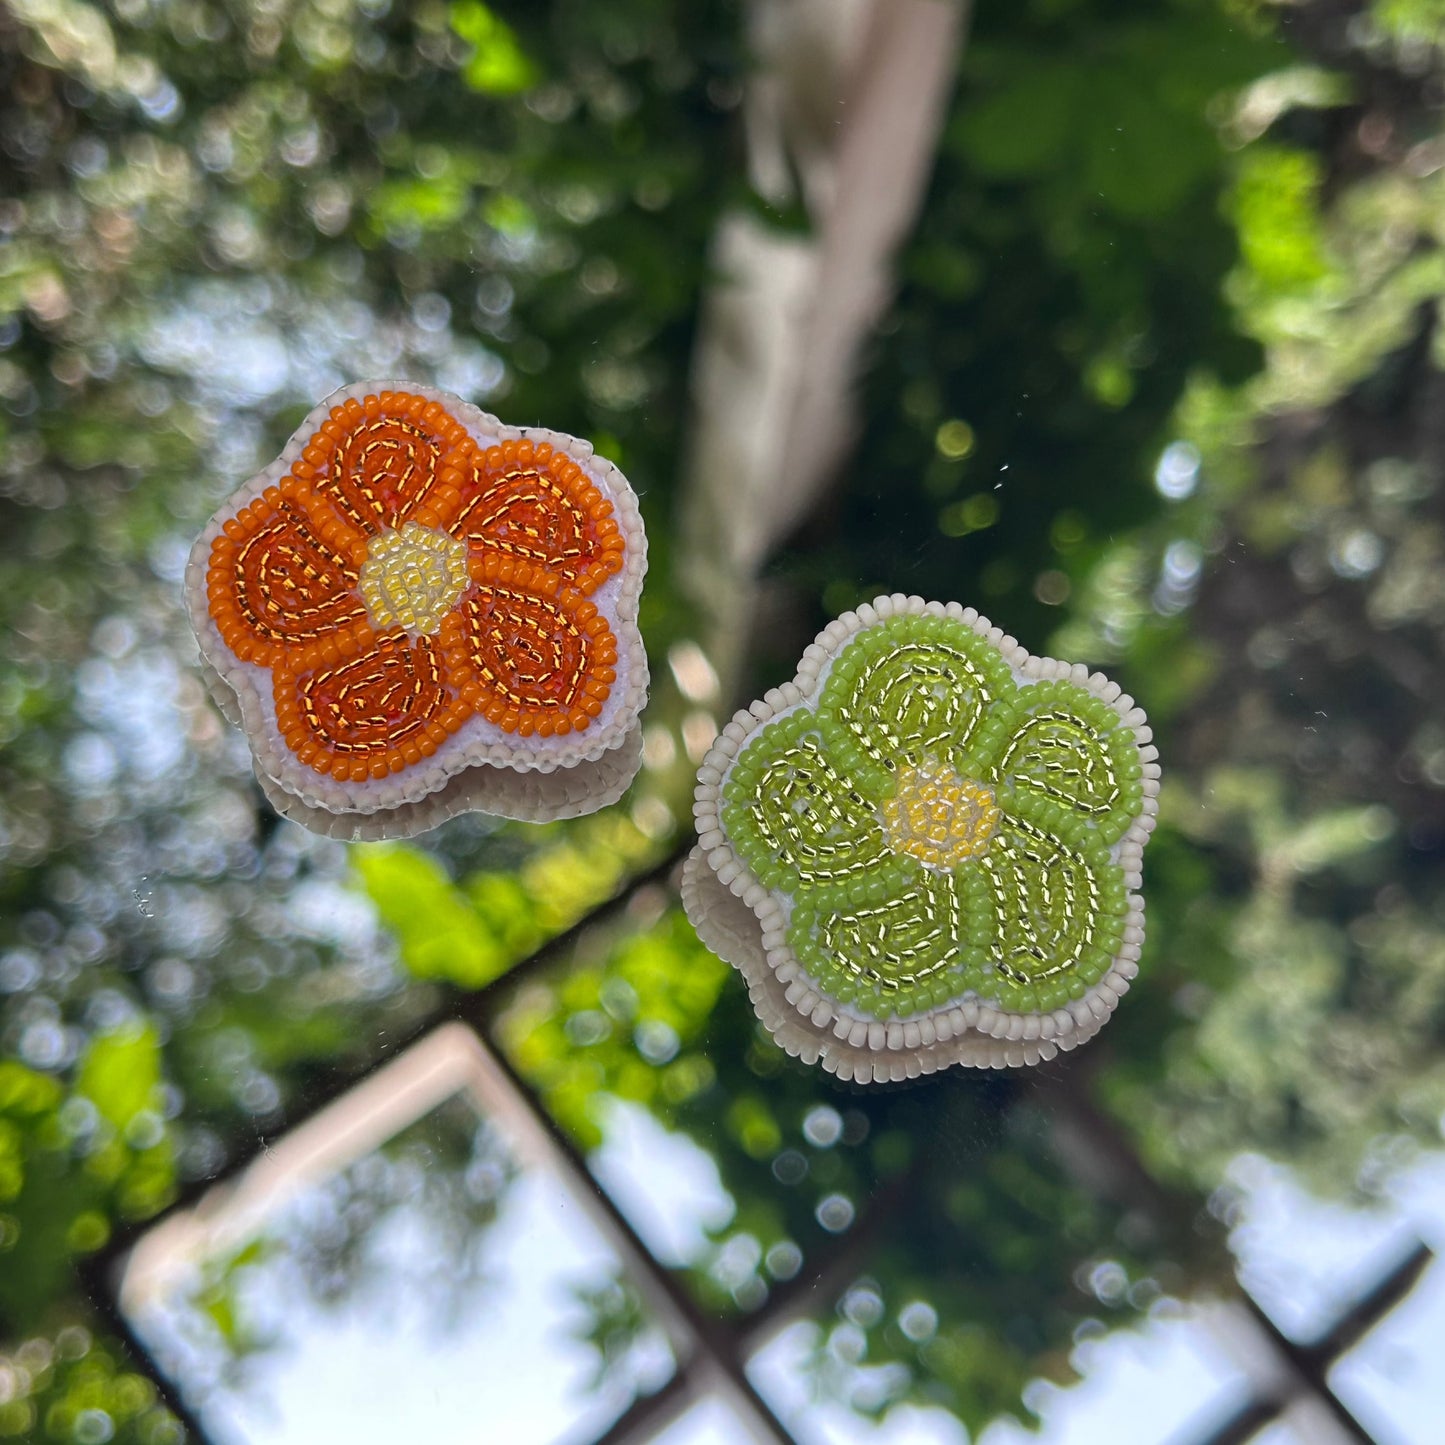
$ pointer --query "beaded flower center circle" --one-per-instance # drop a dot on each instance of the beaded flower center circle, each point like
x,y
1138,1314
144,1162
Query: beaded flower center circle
x,y
939,817
940,827
413,578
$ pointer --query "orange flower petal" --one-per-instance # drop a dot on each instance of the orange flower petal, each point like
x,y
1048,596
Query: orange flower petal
x,y
279,580
529,662
369,714
377,460
527,501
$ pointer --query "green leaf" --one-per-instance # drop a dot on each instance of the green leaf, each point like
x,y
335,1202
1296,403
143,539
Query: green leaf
x,y
498,65
121,1073
508,909
438,931
24,1093
1276,208
1024,128
1142,157
432,204
1332,837
1417,21
509,214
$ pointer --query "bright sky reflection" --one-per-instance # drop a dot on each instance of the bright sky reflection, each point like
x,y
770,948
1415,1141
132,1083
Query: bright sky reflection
x,y
513,1370
1392,1379
382,1368
710,1422
1139,1387
667,1186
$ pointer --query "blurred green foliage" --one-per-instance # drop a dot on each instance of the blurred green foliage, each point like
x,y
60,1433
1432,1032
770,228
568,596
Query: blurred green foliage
x,y
72,1162
971,1208
1285,612
1415,22
438,932
1062,283
497,65
470,932
76,1389
626,1027
1275,206
210,215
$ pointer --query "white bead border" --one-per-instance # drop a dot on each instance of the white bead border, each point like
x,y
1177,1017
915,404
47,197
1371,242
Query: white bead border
x,y
477,742
804,1019
530,797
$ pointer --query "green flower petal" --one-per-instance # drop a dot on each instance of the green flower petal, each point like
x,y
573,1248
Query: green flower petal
x,y
1059,905
1062,747
793,816
908,688
904,940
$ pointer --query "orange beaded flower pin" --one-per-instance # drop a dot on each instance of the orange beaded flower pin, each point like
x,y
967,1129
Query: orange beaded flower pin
x,y
417,611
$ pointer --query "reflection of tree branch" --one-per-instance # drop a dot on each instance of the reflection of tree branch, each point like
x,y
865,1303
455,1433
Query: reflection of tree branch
x,y
449,1170
448,1173
620,1331
664,1293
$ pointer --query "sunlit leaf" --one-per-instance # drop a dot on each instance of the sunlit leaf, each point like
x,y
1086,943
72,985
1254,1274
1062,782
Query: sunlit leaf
x,y
1275,205
498,64
438,932
121,1073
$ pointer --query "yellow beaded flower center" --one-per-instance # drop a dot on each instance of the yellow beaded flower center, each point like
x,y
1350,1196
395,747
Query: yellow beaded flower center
x,y
939,817
413,578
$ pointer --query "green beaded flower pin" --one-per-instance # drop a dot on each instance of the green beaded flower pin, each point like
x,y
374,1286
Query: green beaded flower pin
x,y
925,849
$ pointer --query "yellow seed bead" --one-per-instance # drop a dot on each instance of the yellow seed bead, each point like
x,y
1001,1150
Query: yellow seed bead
x,y
413,578
938,816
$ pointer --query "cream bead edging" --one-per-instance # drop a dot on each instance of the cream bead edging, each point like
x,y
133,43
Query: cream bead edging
x,y
530,797
745,923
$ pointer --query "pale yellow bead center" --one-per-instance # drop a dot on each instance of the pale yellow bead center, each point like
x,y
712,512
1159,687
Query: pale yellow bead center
x,y
938,816
413,578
